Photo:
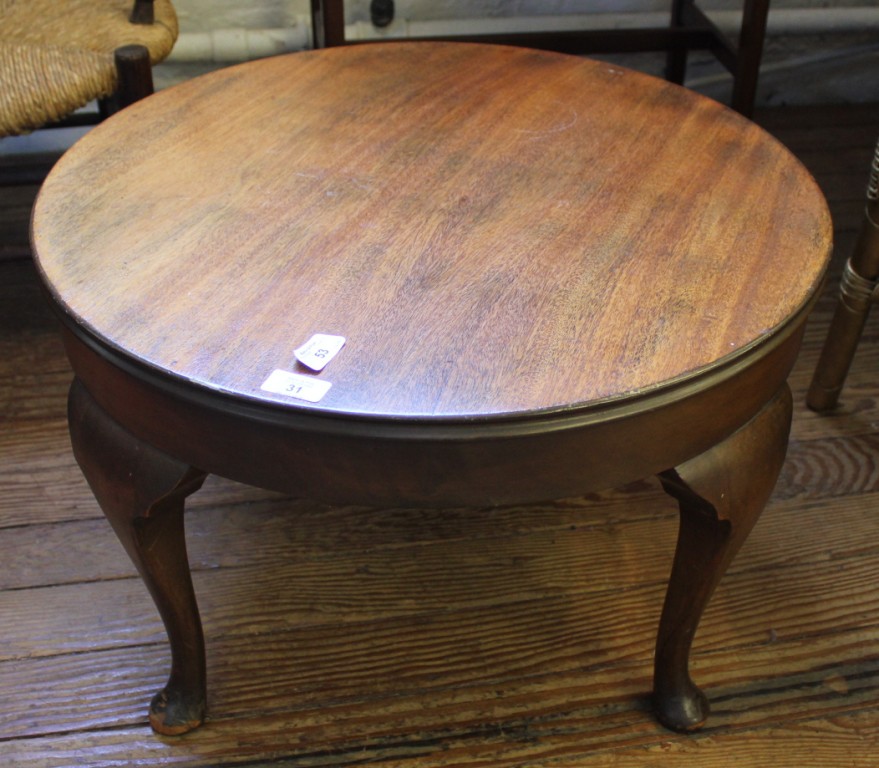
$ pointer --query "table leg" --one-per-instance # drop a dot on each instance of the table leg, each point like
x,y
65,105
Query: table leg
x,y
721,494
141,492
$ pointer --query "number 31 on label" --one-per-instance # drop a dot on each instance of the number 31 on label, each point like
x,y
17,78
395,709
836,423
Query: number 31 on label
x,y
296,385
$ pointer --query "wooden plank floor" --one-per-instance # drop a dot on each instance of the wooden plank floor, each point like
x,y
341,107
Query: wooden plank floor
x,y
506,637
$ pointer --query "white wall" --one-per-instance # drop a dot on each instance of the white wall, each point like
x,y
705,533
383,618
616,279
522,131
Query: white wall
x,y
199,15
798,68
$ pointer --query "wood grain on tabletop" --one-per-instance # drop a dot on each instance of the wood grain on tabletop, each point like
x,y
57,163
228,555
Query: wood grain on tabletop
x,y
788,649
467,217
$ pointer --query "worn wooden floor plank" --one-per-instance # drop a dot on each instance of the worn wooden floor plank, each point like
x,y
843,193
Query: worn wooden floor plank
x,y
548,716
260,530
435,636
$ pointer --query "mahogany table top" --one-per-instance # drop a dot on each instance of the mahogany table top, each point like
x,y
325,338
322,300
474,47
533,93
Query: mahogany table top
x,y
496,232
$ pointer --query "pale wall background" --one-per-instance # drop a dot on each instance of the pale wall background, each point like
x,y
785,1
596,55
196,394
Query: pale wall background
x,y
818,51
200,14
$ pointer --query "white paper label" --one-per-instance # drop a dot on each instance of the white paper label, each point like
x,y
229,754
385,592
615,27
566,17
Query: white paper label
x,y
319,350
296,385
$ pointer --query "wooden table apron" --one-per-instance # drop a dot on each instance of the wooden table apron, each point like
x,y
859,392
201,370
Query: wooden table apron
x,y
555,276
381,462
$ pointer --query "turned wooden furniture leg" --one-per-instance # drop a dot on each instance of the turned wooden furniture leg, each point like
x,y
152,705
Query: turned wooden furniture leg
x,y
135,75
134,79
142,491
721,494
857,290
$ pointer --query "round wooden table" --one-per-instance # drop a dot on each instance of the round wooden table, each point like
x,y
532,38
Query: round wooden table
x,y
534,276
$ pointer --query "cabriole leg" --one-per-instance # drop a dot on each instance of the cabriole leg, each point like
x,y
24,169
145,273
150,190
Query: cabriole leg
x,y
721,494
141,492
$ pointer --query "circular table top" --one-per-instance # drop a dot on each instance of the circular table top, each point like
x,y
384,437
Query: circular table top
x,y
496,232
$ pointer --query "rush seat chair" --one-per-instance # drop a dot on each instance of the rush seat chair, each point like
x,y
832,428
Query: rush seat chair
x,y
56,57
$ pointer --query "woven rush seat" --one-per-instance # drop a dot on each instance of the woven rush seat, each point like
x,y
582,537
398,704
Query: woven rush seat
x,y
57,57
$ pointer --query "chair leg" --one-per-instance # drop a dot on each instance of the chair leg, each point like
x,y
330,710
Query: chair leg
x,y
135,74
852,308
857,289
328,23
750,51
134,79
676,58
